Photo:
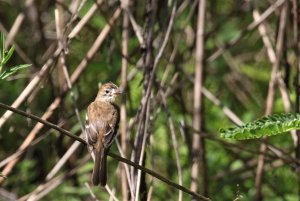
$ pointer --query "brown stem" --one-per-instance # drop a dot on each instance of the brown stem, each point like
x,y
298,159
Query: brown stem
x,y
296,80
161,178
123,114
47,123
55,104
198,145
119,158
270,99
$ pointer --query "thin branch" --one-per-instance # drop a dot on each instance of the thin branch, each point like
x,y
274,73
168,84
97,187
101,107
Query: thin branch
x,y
198,143
17,24
18,49
145,99
75,144
90,190
157,58
76,74
31,86
174,141
45,188
111,193
84,20
123,113
130,183
119,158
249,28
296,38
63,160
46,67
47,123
159,177
20,152
270,98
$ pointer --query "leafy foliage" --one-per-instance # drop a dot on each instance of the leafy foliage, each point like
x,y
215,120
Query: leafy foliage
x,y
13,70
266,126
238,78
4,58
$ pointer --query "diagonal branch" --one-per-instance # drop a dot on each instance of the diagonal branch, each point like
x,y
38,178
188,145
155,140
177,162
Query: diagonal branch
x,y
115,156
47,123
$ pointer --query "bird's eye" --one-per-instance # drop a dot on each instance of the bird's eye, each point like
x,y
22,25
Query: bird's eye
x,y
107,91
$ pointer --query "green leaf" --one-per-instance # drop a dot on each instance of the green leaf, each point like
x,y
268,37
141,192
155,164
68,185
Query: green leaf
x,y
8,55
266,126
13,70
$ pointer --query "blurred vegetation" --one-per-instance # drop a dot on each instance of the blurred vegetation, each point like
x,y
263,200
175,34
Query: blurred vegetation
x,y
239,78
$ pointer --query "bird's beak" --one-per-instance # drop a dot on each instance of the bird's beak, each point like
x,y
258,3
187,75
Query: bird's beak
x,y
118,91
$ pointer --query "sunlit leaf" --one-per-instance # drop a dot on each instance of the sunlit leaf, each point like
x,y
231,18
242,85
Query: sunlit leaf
x,y
13,70
8,55
266,126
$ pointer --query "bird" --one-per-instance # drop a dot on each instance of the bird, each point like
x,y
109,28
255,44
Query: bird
x,y
102,122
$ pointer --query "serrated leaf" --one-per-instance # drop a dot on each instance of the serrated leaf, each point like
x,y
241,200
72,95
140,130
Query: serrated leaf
x,y
266,126
13,70
8,55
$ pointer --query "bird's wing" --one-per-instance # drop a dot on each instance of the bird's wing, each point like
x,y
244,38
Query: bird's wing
x,y
100,124
111,130
93,129
109,137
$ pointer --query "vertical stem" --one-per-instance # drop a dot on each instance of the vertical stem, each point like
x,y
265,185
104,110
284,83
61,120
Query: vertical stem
x,y
123,114
138,155
270,100
60,37
198,147
296,82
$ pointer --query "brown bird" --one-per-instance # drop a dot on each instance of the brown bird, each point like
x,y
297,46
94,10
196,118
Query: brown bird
x,y
101,127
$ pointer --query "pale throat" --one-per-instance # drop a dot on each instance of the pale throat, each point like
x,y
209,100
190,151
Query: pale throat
x,y
107,99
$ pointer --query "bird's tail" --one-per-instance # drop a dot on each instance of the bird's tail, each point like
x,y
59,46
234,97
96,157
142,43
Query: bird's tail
x,y
99,171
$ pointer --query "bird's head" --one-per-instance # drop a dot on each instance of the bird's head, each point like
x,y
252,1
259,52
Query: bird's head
x,y
108,92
